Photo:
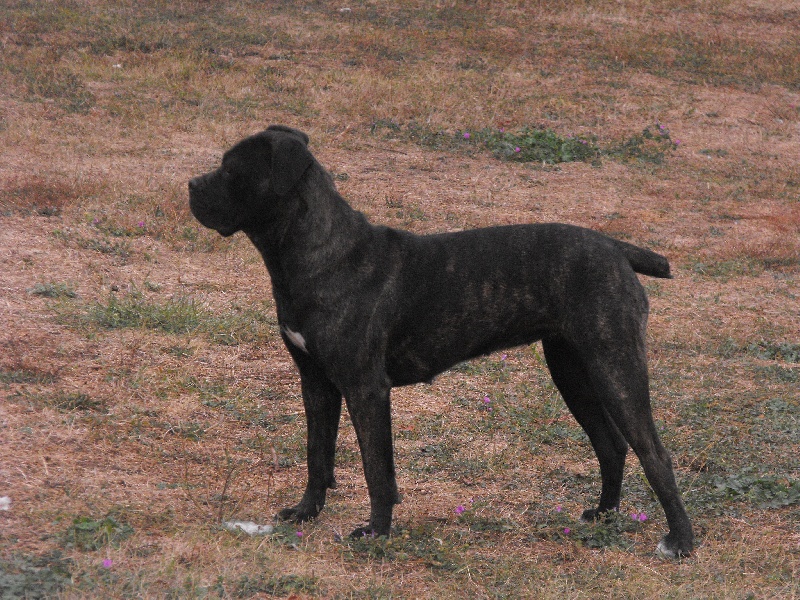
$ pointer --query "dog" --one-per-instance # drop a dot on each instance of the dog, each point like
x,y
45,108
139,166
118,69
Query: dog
x,y
363,308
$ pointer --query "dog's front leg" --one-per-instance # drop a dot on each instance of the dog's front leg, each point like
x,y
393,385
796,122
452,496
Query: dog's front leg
x,y
370,411
323,406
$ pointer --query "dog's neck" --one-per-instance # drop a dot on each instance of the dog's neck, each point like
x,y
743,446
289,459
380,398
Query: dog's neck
x,y
316,231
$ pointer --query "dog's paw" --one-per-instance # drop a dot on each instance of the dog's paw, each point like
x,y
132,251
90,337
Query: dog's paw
x,y
596,514
672,550
362,532
589,515
297,514
367,532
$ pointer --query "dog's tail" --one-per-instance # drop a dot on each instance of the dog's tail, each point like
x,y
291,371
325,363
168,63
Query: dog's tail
x,y
645,261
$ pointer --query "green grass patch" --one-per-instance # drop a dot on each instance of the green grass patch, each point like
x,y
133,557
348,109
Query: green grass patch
x,y
119,248
60,400
762,491
479,523
529,144
778,374
419,544
175,315
535,144
89,534
785,351
53,290
652,145
252,585
27,376
69,401
27,576
612,530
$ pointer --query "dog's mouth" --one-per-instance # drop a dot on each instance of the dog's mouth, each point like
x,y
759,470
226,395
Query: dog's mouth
x,y
224,231
208,216
207,220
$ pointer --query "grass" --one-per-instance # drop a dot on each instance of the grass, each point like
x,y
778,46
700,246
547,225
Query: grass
x,y
53,290
537,145
41,575
175,315
90,534
172,315
139,416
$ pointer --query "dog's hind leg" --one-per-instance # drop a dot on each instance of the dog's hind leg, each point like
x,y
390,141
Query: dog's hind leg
x,y
619,374
572,380
369,409
323,406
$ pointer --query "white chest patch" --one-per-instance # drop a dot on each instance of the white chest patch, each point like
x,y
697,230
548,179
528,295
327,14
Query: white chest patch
x,y
296,338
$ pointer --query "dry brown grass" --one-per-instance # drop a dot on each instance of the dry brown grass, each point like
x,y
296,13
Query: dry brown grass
x,y
143,385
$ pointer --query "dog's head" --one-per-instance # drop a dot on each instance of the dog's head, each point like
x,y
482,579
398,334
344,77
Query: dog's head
x,y
255,174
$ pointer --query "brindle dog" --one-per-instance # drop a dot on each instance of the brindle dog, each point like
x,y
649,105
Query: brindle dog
x,y
363,308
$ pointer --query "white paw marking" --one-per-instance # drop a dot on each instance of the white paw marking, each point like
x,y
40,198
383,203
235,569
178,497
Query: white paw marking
x,y
296,338
664,552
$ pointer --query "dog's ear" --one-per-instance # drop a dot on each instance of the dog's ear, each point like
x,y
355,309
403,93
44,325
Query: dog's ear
x,y
290,159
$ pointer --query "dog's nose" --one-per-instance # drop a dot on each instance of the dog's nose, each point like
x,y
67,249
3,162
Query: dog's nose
x,y
194,183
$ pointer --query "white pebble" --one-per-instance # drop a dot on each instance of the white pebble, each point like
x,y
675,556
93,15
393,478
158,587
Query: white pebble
x,y
248,527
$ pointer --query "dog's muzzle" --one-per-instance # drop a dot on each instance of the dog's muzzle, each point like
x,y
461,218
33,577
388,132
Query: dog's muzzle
x,y
196,184
207,209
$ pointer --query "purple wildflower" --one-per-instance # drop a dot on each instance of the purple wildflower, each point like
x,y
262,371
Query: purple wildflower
x,y
460,509
107,563
466,135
